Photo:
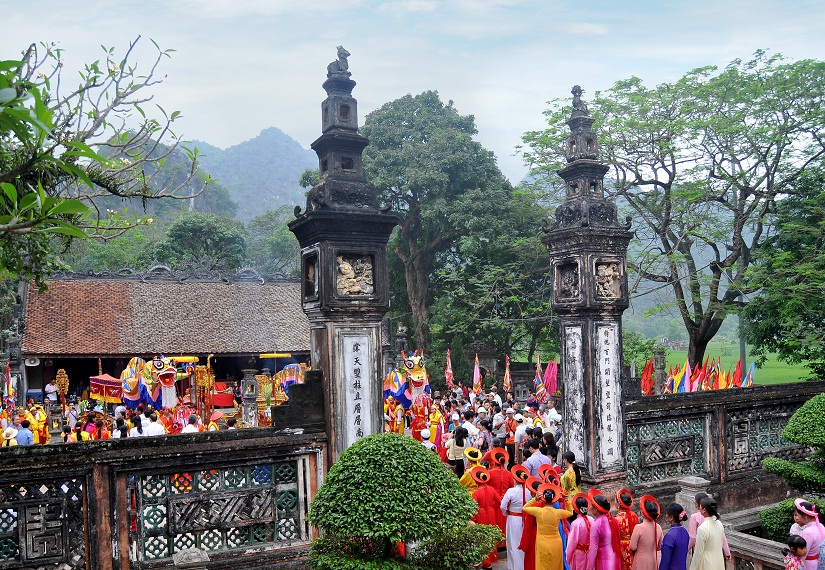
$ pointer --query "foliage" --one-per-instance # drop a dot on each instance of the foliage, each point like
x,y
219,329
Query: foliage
x,y
62,146
637,348
133,250
788,315
495,286
206,240
700,163
424,161
271,247
805,427
457,548
385,488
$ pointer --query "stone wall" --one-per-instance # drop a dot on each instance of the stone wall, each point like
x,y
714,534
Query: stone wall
x,y
239,495
721,436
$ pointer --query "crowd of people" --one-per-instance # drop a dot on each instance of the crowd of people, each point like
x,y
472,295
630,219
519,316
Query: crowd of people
x,y
508,456
30,426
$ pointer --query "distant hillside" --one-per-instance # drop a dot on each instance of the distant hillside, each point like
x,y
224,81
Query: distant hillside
x,y
261,173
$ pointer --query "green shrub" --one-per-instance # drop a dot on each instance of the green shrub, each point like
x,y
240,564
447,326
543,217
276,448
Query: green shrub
x,y
806,425
386,488
807,428
457,548
776,521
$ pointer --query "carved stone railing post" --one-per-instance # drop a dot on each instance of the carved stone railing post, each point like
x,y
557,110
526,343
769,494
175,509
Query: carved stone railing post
x,y
659,375
56,422
689,488
249,393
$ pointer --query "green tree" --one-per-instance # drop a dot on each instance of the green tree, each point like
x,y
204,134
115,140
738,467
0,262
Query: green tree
x,y
204,240
788,315
805,428
495,286
424,161
271,247
699,163
388,488
63,145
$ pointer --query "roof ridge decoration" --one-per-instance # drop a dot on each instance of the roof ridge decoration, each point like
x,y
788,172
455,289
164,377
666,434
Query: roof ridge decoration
x,y
188,274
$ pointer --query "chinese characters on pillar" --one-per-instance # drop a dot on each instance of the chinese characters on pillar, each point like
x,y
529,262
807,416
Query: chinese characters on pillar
x,y
608,381
358,378
574,392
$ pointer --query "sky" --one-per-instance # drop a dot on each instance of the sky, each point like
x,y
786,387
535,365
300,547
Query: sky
x,y
241,66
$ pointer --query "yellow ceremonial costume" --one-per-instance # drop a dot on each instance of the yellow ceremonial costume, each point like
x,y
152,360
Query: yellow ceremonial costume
x,y
568,483
549,551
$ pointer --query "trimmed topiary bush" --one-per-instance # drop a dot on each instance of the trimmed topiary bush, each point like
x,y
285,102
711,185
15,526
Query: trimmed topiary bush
x,y
805,427
385,489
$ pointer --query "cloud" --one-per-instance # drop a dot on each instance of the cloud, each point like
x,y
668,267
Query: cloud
x,y
588,28
409,6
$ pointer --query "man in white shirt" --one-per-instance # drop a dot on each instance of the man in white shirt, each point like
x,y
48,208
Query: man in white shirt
x,y
494,395
499,429
50,390
521,433
192,426
468,424
155,427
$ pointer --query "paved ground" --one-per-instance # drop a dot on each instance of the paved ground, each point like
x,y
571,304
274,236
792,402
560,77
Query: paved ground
x,y
502,561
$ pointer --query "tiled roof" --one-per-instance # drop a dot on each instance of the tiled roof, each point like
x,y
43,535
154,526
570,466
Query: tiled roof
x,y
113,317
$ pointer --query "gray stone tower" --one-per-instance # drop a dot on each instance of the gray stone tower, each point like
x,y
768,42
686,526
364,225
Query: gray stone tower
x,y
588,247
345,285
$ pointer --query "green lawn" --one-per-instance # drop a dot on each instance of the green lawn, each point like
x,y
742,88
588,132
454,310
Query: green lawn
x,y
772,372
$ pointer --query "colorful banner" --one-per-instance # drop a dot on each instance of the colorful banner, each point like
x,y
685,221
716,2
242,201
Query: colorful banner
x,y
105,388
448,372
508,379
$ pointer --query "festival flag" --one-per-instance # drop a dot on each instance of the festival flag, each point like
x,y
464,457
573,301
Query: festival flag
x,y
648,384
538,383
551,377
10,396
695,377
736,380
679,379
508,379
751,375
476,377
713,375
448,372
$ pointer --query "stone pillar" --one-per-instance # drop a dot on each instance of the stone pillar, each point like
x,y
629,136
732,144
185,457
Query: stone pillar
x,y
343,233
249,394
588,247
689,488
659,373
56,422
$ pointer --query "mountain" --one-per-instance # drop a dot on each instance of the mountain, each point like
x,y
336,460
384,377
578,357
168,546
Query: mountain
x,y
261,173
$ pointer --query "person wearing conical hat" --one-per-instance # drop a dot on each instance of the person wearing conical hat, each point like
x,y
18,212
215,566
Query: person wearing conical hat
x,y
627,520
646,541
511,504
473,455
500,479
603,553
9,437
213,421
549,544
489,502
578,539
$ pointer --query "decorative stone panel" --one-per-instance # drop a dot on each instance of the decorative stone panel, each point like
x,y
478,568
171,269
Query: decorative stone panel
x,y
667,449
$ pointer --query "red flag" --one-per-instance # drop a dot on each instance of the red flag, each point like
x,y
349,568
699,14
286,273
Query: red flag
x,y
551,377
737,374
508,379
448,373
647,378
476,378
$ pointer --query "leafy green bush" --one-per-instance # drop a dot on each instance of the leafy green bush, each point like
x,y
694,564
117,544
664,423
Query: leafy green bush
x,y
807,428
457,548
806,425
387,488
776,521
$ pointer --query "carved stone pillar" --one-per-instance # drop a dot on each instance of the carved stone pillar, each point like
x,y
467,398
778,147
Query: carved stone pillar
x,y
659,374
587,247
249,393
56,422
343,234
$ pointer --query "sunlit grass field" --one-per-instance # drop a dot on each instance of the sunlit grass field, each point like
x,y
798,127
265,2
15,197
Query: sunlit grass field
x,y
772,372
